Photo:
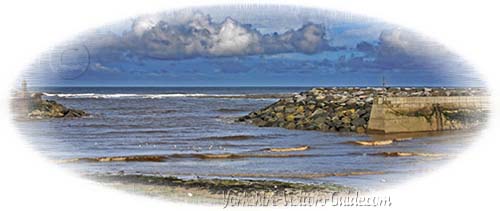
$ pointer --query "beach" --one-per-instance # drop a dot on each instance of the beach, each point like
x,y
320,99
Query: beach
x,y
172,141
220,192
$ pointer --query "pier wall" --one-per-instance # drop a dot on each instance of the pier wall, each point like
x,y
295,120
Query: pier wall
x,y
416,114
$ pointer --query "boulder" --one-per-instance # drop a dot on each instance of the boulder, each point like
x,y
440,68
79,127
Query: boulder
x,y
43,109
318,113
327,109
359,122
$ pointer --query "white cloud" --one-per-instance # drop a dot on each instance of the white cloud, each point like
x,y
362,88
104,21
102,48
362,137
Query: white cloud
x,y
400,41
196,35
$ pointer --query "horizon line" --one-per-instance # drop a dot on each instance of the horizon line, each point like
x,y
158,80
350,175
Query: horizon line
x,y
250,86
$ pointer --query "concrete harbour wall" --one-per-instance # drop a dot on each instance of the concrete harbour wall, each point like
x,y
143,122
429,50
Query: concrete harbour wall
x,y
415,114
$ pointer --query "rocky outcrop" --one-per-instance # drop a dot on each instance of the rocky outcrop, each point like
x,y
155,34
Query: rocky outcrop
x,y
336,109
38,108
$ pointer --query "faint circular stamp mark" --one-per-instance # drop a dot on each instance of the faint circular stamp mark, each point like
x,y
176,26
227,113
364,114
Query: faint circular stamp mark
x,y
70,61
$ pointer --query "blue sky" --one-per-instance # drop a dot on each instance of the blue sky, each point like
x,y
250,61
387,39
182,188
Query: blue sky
x,y
252,46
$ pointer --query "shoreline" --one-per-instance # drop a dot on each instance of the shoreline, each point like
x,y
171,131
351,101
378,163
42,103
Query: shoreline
x,y
212,191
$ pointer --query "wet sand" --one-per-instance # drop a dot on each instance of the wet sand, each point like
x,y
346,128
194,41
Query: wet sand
x,y
210,191
187,136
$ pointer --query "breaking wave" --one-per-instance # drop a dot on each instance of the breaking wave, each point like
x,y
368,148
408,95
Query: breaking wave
x,y
139,96
161,96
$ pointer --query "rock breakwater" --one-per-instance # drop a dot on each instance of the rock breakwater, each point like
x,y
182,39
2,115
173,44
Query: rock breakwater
x,y
345,109
34,107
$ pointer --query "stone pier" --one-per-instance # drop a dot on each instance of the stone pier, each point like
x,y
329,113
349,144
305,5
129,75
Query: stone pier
x,y
416,114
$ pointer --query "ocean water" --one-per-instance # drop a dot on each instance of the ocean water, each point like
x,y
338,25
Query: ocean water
x,y
183,122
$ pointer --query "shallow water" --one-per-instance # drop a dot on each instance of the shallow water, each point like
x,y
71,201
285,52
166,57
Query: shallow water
x,y
183,123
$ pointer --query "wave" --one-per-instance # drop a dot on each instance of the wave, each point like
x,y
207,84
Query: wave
x,y
128,158
288,149
201,156
228,138
160,96
406,154
162,158
150,96
208,156
230,110
237,137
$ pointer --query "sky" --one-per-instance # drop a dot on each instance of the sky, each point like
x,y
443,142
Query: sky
x,y
250,46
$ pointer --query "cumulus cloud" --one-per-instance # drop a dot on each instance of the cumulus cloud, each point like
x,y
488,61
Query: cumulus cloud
x,y
401,49
397,42
197,35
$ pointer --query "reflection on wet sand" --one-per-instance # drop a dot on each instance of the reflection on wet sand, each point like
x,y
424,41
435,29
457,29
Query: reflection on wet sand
x,y
303,175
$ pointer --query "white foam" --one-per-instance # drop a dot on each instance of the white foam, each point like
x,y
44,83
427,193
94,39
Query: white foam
x,y
135,96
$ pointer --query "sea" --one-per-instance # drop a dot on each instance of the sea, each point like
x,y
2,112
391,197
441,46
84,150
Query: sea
x,y
183,122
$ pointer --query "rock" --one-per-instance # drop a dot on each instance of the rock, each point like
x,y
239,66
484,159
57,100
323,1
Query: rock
x,y
320,97
74,113
43,109
318,113
349,112
290,125
300,116
323,127
417,93
352,101
360,129
336,122
346,120
359,122
319,120
290,109
360,112
259,122
252,115
279,108
358,93
300,109
344,130
329,109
